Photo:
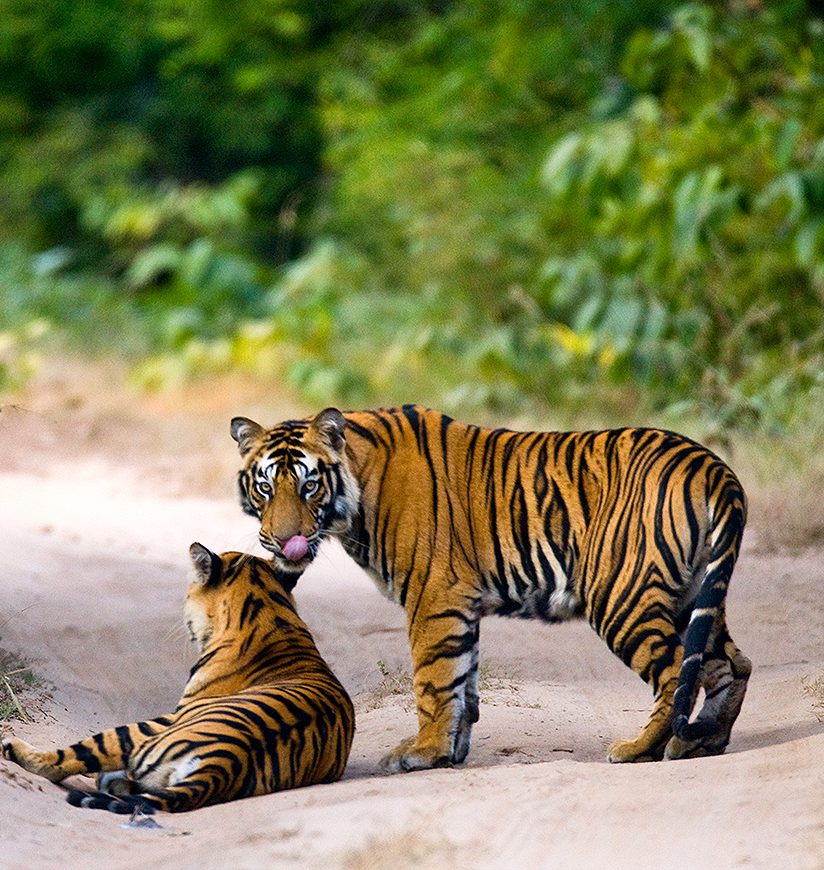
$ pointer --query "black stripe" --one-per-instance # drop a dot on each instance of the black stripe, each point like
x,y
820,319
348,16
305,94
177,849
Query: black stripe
x,y
86,757
362,432
251,607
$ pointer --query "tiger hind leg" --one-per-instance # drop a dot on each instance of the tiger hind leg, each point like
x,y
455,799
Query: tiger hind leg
x,y
32,759
724,676
711,658
107,751
116,782
158,786
652,739
55,765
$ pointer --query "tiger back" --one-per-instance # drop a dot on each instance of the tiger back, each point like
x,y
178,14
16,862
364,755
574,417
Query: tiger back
x,y
636,530
261,711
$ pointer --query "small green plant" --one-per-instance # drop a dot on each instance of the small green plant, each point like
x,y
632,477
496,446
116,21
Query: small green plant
x,y
19,357
16,681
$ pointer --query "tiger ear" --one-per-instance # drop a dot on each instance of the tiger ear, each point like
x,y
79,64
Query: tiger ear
x,y
245,432
329,426
208,567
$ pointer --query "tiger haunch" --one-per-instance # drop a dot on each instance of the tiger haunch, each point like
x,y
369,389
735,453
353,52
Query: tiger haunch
x,y
261,710
637,530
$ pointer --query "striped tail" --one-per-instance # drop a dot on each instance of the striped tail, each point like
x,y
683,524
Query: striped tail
x,y
728,514
121,804
178,798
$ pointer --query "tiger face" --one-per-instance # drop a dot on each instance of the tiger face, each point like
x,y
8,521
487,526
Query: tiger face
x,y
296,480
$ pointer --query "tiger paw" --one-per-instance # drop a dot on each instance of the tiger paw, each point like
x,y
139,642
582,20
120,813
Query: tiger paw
x,y
677,748
409,756
16,750
30,758
714,745
115,782
627,751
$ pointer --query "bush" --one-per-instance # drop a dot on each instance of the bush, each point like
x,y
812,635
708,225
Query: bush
x,y
475,205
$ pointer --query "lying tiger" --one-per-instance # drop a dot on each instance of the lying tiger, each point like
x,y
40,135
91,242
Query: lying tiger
x,y
638,530
261,711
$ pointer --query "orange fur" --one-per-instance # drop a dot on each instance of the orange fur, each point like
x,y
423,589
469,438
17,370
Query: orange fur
x,y
261,711
635,529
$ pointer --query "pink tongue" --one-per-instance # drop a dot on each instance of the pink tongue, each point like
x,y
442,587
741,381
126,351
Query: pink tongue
x,y
296,548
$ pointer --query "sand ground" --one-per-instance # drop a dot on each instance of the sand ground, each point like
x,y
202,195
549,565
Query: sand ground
x,y
100,500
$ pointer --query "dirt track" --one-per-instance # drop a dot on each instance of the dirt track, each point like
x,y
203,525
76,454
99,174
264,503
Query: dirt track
x,y
93,543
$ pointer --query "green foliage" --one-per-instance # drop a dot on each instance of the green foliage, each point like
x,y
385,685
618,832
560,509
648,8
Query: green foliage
x,y
489,205
701,274
109,103
16,680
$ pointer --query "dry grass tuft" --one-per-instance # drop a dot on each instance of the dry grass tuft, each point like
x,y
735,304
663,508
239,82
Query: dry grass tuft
x,y
492,677
395,682
495,684
813,687
17,684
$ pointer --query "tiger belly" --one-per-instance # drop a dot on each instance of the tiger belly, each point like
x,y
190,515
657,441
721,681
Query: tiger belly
x,y
169,772
552,601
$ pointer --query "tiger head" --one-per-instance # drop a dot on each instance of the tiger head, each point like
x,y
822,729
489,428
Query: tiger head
x,y
221,587
297,481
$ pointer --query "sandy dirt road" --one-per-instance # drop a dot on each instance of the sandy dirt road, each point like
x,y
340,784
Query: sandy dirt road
x,y
96,522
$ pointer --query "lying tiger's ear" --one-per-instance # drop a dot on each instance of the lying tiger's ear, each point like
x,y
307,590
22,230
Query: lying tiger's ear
x,y
208,567
329,426
245,431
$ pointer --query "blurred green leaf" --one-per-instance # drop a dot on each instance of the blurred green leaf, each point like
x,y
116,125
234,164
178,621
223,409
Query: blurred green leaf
x,y
478,205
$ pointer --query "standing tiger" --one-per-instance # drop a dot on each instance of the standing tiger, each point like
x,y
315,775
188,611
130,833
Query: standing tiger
x,y
638,530
261,711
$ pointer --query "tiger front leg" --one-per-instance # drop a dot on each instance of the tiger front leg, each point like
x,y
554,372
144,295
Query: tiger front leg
x,y
445,661
472,711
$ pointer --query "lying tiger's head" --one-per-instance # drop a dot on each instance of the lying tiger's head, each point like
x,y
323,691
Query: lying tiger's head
x,y
229,591
296,479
